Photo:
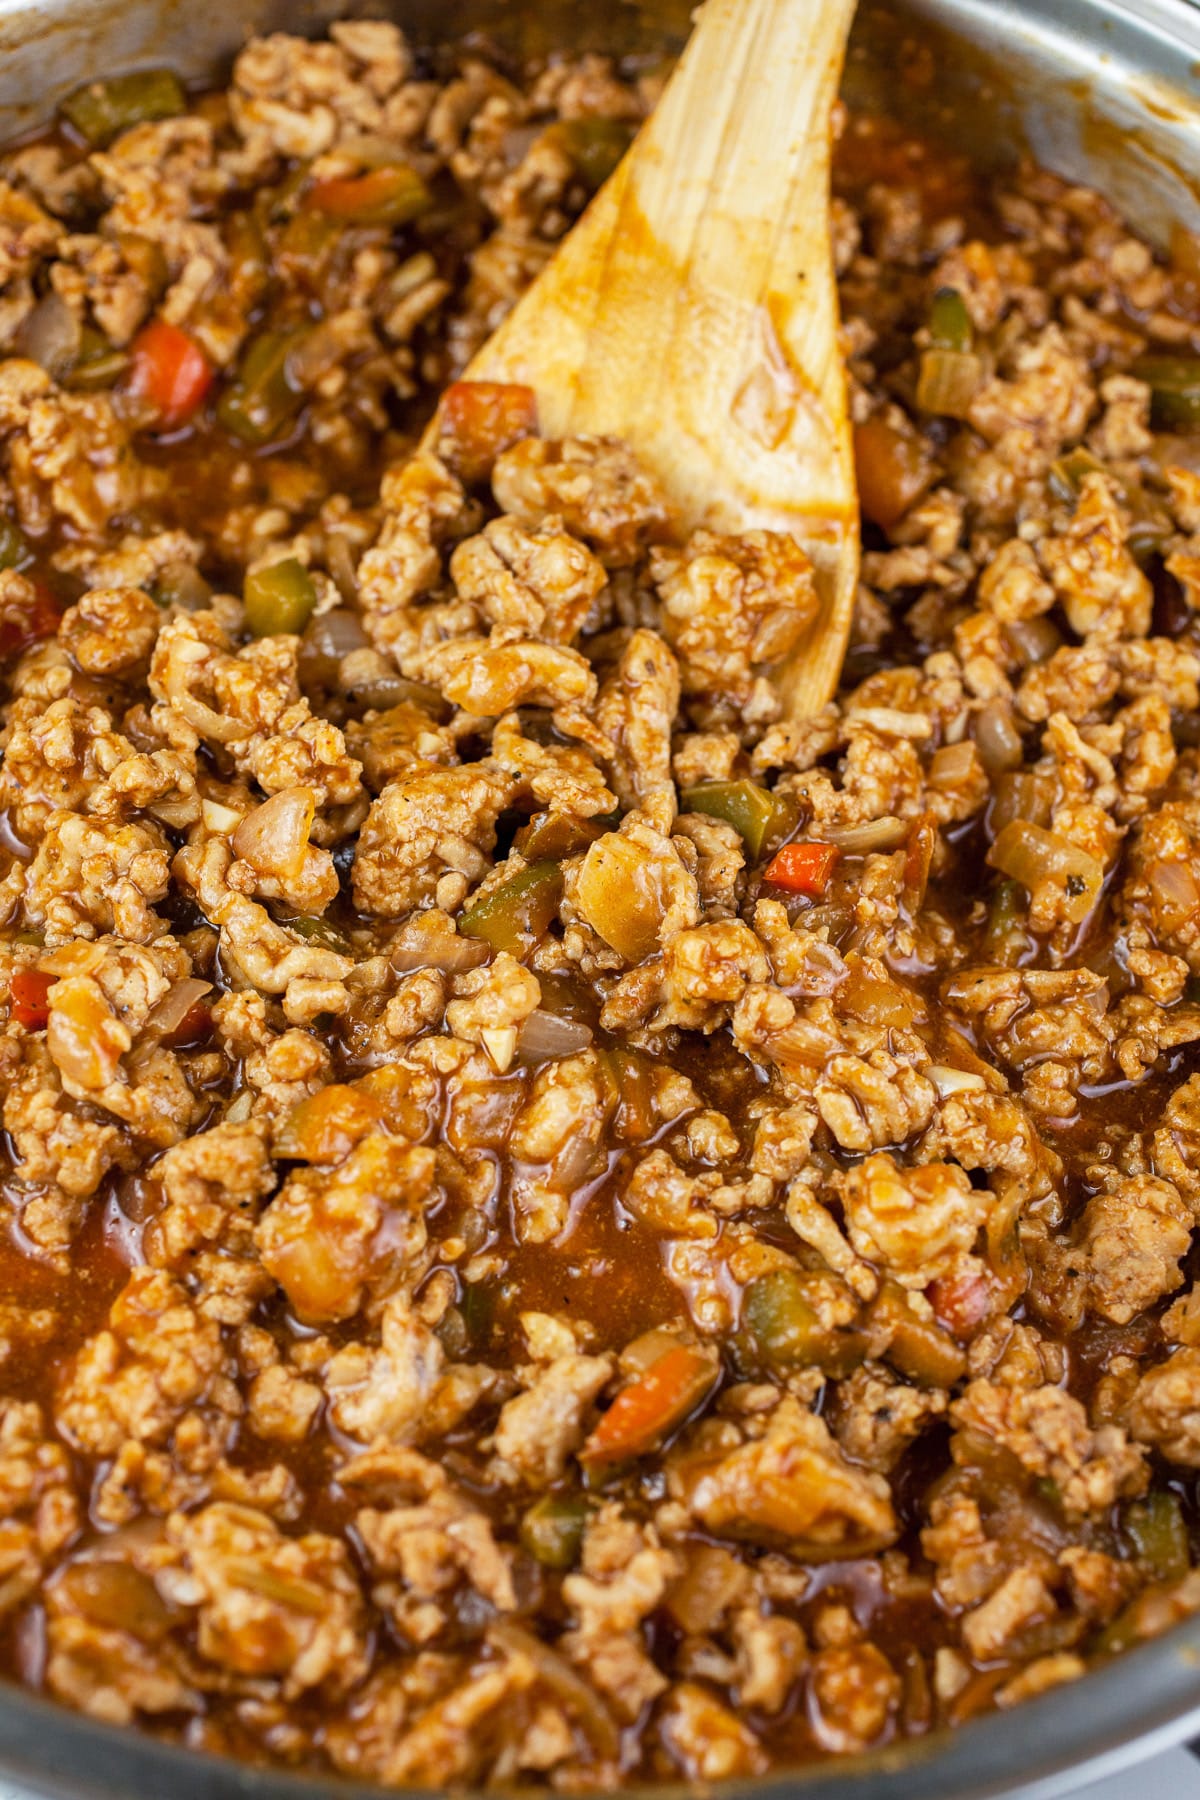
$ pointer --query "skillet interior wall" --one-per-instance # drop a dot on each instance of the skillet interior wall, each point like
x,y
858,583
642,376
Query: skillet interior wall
x,y
1102,91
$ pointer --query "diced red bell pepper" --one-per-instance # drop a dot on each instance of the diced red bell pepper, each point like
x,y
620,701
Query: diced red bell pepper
x,y
959,1301
30,999
803,868
29,612
170,371
648,1408
479,419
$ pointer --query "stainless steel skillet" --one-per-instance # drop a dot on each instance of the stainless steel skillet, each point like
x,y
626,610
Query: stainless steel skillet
x,y
1104,91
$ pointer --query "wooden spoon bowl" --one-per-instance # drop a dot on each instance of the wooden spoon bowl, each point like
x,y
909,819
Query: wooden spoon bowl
x,y
693,309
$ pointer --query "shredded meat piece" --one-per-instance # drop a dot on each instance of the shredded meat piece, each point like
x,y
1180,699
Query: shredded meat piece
x,y
918,1223
1021,1600
406,1390
428,1541
705,1739
1130,1241
1101,587
539,1429
878,1417
249,703
91,878
856,1690
213,1185
110,631
39,1513
539,583
635,711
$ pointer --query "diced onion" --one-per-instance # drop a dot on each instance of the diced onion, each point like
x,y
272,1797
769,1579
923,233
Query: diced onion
x,y
204,720
644,1351
430,941
703,1593
339,559
1020,795
948,382
181,584
997,738
335,634
273,839
887,833
891,721
113,1593
546,1036
175,1006
1033,856
822,969
364,150
315,354
1174,888
368,678
500,1042
955,1081
51,335
777,633
619,892
875,1001
953,765
219,818
1034,640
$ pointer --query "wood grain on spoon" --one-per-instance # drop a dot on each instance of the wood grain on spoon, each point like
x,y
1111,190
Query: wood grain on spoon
x,y
693,309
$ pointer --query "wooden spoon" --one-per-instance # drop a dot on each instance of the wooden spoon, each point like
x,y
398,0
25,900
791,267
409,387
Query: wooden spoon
x,y
693,308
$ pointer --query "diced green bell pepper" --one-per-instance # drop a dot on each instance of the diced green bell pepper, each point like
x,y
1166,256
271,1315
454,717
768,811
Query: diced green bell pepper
x,y
1006,938
1174,383
517,913
14,549
552,1530
750,809
103,109
595,146
262,399
917,1347
786,1333
98,364
279,598
950,325
553,835
1159,1532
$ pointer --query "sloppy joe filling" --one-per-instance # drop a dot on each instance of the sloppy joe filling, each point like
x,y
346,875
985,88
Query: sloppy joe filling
x,y
561,1226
